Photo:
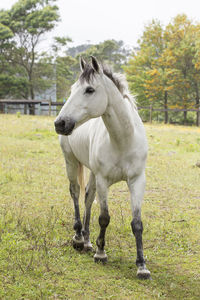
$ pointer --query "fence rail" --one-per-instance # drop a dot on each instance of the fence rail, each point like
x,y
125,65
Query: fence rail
x,y
13,105
52,108
168,109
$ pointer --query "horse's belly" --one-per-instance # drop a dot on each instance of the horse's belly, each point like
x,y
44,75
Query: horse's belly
x,y
121,167
80,151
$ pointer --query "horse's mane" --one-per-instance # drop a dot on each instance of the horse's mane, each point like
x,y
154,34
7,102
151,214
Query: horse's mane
x,y
118,79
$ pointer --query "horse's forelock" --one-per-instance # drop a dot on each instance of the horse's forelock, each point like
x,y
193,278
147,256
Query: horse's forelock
x,y
87,74
119,80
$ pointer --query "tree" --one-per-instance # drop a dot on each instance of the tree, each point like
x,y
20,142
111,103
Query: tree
x,y
65,75
166,69
111,52
28,21
145,71
180,40
65,66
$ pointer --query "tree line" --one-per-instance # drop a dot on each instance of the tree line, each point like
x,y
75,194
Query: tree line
x,y
24,70
164,71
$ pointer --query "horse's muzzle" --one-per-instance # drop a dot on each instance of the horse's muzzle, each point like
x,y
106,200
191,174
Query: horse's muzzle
x,y
64,127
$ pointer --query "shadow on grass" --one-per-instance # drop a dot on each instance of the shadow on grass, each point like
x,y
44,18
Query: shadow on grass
x,y
167,280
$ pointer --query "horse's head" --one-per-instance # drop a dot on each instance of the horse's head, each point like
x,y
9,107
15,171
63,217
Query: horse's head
x,y
88,99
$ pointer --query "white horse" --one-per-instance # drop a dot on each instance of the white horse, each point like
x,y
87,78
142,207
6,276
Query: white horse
x,y
100,128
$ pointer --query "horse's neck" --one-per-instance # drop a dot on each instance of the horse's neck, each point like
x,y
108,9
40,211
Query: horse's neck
x,y
118,119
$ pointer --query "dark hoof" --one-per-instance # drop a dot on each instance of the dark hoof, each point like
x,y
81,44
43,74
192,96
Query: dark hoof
x,y
143,273
101,257
78,244
100,260
88,248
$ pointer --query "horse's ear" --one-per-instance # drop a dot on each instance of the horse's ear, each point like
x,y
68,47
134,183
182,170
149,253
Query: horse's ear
x,y
82,64
96,66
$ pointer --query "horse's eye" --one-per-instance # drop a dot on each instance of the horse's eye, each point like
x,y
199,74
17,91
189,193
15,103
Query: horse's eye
x,y
89,90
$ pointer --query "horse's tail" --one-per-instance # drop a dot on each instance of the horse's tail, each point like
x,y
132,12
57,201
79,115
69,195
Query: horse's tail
x,y
81,179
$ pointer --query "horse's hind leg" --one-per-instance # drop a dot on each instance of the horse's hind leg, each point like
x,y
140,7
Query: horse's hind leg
x,y
89,198
104,219
136,187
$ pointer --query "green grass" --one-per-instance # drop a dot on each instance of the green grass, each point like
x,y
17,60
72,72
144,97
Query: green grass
x,y
36,220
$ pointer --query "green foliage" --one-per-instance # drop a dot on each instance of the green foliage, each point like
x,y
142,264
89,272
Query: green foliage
x,y
163,72
65,75
22,27
33,16
109,52
60,42
43,74
67,66
5,33
13,86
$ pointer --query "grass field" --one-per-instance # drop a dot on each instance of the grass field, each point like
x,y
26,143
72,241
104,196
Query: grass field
x,y
36,220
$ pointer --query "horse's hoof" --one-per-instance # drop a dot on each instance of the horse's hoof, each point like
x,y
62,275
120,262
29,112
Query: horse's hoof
x,y
101,257
78,244
88,247
143,273
103,260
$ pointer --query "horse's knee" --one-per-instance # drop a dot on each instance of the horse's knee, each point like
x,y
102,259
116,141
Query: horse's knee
x,y
104,220
74,189
137,226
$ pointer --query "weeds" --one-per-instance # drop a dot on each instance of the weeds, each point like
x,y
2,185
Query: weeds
x,y
36,220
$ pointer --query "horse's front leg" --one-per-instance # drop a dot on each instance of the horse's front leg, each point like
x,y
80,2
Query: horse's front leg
x,y
104,219
89,198
78,240
137,187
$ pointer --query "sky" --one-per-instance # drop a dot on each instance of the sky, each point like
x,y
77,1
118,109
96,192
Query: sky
x,y
92,21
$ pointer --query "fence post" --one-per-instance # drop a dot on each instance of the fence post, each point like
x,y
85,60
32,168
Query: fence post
x,y
198,116
5,108
150,116
39,109
25,109
49,107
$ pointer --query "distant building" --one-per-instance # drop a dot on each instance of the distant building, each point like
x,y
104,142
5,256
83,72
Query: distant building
x,y
49,95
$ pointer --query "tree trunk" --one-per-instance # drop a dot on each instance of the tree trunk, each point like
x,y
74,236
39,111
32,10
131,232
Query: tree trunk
x,y
198,116
25,109
197,106
31,106
185,117
166,107
1,108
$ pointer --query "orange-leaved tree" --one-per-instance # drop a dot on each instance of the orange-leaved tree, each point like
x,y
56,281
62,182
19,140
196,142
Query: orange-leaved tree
x,y
165,71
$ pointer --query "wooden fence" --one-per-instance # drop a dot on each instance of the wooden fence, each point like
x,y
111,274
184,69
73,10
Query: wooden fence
x,y
151,109
52,108
40,106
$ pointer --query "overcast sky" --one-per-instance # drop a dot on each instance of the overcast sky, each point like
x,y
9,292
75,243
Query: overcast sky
x,y
95,21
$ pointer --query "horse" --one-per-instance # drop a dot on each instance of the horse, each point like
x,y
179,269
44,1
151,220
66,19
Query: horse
x,y
99,128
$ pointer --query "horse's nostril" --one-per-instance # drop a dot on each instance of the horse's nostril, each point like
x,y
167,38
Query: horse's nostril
x,y
65,126
60,123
